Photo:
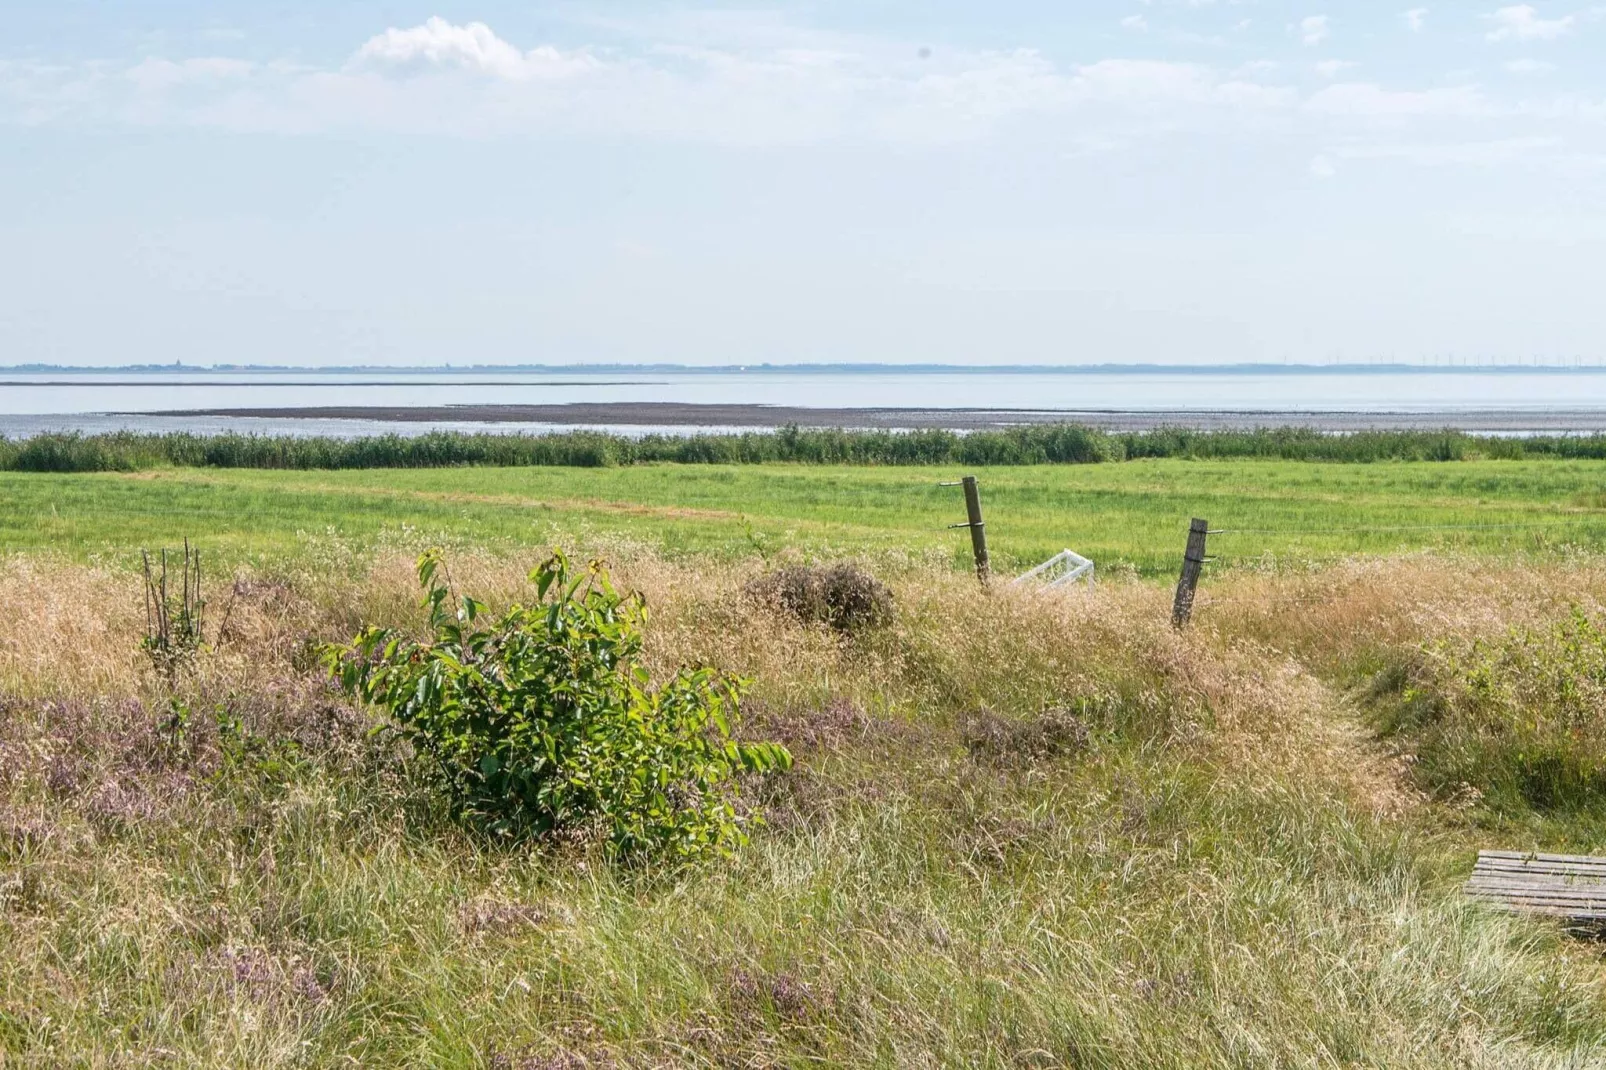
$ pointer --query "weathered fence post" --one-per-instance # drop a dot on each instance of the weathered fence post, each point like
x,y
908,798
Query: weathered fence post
x,y
978,529
1192,560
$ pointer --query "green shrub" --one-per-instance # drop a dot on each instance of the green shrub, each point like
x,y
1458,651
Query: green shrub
x,y
544,721
1522,718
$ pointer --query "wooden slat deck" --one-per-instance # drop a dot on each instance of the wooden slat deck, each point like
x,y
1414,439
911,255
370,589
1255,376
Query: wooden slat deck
x,y
1563,886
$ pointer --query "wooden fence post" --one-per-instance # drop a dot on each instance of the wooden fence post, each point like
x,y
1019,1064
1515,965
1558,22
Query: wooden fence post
x,y
1192,560
978,529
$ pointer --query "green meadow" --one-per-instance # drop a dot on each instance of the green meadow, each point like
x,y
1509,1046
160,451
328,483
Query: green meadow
x,y
1127,516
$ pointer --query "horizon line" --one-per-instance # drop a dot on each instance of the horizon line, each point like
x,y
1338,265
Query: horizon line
x,y
1261,367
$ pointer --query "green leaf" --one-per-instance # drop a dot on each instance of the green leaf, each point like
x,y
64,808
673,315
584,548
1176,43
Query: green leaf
x,y
428,562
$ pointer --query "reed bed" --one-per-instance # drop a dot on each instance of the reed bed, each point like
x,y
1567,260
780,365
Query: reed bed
x,y
125,451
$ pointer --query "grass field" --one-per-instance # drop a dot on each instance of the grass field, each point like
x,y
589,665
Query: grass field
x,y
1021,831
1130,515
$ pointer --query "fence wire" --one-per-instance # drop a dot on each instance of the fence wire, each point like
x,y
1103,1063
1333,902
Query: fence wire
x,y
1368,529
1536,526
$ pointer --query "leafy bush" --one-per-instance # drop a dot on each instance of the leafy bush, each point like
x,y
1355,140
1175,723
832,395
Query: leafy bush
x,y
841,596
1521,719
543,721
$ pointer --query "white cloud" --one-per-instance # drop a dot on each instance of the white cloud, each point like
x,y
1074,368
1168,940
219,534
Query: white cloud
x,y
1528,66
758,85
1415,19
1151,83
1522,23
158,74
1315,29
1322,167
475,47
780,92
1450,154
1365,100
1135,22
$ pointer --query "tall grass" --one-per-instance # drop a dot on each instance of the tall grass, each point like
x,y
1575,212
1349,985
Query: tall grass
x,y
1516,721
1215,871
1058,444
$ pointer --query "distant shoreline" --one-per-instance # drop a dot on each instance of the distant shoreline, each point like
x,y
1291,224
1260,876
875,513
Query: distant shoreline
x,y
318,383
715,416
478,370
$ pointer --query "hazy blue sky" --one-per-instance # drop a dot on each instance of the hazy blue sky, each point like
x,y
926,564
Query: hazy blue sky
x,y
1001,182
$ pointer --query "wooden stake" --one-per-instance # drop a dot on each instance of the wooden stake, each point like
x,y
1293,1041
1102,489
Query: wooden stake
x,y
1192,561
978,529
162,616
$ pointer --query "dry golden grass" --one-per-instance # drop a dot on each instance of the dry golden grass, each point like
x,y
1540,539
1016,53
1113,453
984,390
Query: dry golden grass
x,y
1245,686
1213,864
1350,610
68,629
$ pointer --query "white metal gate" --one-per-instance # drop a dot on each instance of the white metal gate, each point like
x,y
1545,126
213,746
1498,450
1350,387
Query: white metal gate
x,y
1061,569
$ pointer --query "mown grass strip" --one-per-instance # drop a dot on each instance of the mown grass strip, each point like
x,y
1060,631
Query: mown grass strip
x,y
1123,516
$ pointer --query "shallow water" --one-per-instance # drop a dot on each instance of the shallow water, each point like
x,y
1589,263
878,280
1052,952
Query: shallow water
x,y
30,403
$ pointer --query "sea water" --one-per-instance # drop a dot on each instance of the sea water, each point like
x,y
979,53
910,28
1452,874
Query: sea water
x,y
34,402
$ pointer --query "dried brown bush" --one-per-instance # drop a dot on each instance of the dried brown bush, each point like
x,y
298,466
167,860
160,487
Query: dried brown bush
x,y
1055,733
843,597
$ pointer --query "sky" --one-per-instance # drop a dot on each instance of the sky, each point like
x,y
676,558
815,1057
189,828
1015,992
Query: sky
x,y
1017,181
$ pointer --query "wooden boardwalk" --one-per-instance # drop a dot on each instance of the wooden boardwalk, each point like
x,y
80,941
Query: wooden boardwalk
x,y
1563,886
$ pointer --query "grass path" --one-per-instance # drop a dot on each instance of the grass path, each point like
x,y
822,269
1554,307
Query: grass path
x,y
1378,778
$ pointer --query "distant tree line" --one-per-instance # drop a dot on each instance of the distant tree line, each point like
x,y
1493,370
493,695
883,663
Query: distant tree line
x,y
1046,444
